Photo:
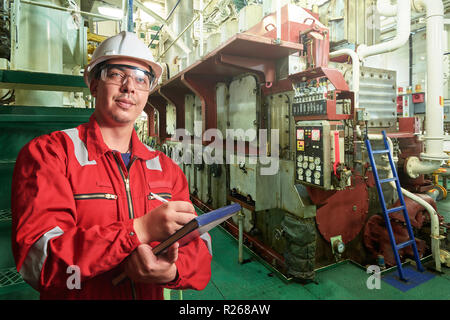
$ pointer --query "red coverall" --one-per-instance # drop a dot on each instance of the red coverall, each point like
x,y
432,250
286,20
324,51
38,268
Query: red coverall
x,y
73,202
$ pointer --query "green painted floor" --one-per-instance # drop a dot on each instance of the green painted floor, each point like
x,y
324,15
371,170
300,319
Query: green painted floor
x,y
254,281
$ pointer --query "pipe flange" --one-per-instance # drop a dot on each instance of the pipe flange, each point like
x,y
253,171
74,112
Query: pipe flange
x,y
434,156
417,5
410,164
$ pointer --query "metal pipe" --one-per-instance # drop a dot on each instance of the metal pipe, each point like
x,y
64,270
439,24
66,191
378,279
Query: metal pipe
x,y
179,36
45,5
403,31
355,69
201,29
130,26
435,238
241,236
124,18
411,60
434,117
385,8
148,11
278,14
184,30
169,31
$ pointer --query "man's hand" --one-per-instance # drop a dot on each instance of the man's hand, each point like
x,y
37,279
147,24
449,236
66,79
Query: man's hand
x,y
163,221
143,266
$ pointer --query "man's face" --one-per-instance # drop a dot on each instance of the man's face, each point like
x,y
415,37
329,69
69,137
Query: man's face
x,y
118,105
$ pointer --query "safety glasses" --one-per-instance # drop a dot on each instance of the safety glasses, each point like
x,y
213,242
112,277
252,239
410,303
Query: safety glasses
x,y
118,74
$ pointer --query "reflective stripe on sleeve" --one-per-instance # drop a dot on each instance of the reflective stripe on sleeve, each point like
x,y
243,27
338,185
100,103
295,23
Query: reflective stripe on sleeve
x,y
81,152
32,265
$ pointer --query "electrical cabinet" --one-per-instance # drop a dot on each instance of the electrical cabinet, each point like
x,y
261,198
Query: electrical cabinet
x,y
319,148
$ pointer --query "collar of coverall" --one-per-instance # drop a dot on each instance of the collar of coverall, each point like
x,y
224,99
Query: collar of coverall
x,y
96,146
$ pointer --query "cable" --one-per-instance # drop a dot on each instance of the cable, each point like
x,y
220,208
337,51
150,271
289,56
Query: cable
x,y
168,17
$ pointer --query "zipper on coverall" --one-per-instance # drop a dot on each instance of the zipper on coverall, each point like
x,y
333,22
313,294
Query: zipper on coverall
x,y
126,181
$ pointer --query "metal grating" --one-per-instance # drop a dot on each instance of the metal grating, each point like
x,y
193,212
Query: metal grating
x,y
10,277
5,215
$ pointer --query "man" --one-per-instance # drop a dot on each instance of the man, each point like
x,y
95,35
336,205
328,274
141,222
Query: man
x,y
82,198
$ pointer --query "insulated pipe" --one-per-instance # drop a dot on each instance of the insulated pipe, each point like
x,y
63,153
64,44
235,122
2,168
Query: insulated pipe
x,y
435,238
355,70
88,14
434,117
201,30
415,167
278,20
163,22
402,36
385,8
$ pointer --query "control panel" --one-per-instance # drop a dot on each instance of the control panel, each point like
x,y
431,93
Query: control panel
x,y
310,98
315,152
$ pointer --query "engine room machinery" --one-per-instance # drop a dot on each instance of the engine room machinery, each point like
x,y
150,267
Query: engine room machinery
x,y
286,97
269,106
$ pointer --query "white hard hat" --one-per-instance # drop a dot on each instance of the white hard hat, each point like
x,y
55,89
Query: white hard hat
x,y
123,45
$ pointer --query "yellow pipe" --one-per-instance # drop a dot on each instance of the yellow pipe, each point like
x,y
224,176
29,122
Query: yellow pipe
x,y
95,37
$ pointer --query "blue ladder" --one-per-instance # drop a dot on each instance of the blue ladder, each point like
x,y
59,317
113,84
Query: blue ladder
x,y
386,212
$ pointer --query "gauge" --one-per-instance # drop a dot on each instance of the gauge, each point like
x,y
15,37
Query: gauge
x,y
300,134
300,171
300,158
312,166
316,160
340,247
315,135
308,173
305,165
317,175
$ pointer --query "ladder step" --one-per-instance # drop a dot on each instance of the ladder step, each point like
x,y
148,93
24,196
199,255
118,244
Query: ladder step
x,y
388,211
380,151
405,244
387,180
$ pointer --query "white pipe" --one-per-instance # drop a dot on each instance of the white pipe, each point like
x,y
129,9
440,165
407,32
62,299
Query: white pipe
x,y
433,217
201,29
433,214
278,20
149,11
385,8
434,117
402,36
123,26
170,33
83,13
355,70
415,167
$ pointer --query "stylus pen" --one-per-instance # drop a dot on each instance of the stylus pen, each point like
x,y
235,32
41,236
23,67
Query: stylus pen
x,y
122,276
158,197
